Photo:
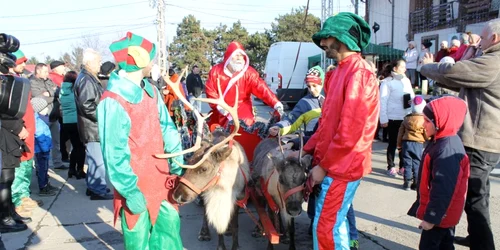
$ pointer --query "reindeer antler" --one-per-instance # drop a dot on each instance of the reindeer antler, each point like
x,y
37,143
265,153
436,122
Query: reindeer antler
x,y
233,111
200,119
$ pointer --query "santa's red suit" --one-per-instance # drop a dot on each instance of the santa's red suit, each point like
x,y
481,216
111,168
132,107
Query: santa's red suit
x,y
248,82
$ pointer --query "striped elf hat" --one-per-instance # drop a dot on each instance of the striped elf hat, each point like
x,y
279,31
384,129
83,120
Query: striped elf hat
x,y
133,52
20,57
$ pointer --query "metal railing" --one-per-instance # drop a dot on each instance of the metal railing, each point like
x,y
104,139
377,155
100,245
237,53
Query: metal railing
x,y
438,16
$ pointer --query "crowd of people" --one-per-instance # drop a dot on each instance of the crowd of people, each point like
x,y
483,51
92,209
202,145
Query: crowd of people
x,y
103,110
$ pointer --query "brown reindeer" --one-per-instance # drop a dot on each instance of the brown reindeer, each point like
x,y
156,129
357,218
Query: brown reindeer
x,y
218,171
282,179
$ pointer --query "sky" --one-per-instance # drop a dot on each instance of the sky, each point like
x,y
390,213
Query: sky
x,y
53,27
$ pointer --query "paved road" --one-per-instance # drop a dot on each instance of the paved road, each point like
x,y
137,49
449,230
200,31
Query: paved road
x,y
71,221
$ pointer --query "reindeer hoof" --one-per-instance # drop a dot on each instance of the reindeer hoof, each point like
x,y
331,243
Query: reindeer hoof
x,y
228,233
204,237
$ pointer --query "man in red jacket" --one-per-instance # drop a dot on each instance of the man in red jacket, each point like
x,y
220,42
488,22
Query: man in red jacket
x,y
342,146
235,71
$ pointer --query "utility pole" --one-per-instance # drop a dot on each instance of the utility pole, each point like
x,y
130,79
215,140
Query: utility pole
x,y
326,12
356,7
393,2
160,31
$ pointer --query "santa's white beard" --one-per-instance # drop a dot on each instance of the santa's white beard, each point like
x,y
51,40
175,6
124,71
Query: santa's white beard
x,y
237,66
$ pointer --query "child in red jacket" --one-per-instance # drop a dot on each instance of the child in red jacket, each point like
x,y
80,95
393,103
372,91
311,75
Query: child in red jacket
x,y
443,174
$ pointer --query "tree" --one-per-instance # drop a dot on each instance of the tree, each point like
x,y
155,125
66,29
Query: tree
x,y
49,59
257,48
215,50
33,60
290,27
190,45
235,33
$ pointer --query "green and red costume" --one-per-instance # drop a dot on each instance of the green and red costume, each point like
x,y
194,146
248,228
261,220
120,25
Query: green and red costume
x,y
134,125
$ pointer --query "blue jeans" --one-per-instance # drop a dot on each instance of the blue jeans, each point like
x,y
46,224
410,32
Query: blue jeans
x,y
42,168
96,173
412,155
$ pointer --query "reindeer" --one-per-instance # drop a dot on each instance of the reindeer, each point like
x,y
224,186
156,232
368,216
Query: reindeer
x,y
218,171
283,179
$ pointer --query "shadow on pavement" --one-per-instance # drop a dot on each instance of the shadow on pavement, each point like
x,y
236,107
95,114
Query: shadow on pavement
x,y
383,243
387,222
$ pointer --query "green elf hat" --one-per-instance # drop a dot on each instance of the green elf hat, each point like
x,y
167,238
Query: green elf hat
x,y
20,57
348,28
133,52
315,75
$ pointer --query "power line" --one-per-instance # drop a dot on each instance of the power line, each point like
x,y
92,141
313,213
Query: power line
x,y
207,13
72,28
88,35
73,11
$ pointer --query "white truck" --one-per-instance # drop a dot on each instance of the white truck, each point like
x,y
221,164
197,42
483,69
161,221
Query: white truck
x,y
289,85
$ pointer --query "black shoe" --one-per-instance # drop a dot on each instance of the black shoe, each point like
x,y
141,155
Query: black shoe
x,y
19,219
413,186
96,197
55,189
61,167
46,191
89,193
71,174
9,225
462,241
80,175
406,185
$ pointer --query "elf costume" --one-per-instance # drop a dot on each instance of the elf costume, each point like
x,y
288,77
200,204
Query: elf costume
x,y
134,125
249,83
342,144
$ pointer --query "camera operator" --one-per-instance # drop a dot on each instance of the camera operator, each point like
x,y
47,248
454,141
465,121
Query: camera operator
x,y
42,86
12,133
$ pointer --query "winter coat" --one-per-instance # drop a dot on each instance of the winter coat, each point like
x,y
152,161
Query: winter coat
x,y
478,80
411,58
412,129
460,52
29,124
88,91
68,106
392,91
194,84
444,169
39,86
441,53
43,138
11,145
342,145
306,112
170,99
248,83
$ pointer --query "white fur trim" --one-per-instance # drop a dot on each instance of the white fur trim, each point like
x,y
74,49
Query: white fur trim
x,y
278,105
240,74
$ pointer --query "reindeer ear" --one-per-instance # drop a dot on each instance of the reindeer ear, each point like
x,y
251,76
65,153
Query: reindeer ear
x,y
222,153
306,161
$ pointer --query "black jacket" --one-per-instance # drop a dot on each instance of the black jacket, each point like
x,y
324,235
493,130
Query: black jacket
x,y
11,145
88,91
194,84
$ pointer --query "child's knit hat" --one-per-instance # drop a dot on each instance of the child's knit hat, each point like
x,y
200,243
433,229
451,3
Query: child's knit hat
x,y
38,104
418,104
315,75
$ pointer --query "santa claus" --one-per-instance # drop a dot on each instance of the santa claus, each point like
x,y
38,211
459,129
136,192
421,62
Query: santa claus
x,y
235,74
235,71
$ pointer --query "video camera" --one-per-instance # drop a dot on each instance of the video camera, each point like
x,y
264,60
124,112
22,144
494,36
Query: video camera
x,y
14,91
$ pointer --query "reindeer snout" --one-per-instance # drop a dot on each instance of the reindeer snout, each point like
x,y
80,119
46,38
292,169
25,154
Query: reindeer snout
x,y
294,208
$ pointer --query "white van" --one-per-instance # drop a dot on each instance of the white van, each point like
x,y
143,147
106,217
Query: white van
x,y
279,67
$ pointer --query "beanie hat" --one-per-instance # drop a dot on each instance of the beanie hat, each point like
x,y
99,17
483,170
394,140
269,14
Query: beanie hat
x,y
348,28
56,64
107,68
20,57
427,44
315,75
418,104
133,52
38,104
